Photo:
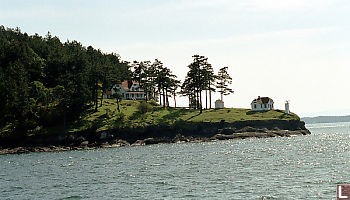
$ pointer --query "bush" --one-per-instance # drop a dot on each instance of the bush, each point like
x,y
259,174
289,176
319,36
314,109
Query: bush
x,y
144,107
119,122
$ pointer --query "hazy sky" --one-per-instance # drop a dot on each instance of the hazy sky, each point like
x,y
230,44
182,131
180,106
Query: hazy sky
x,y
297,50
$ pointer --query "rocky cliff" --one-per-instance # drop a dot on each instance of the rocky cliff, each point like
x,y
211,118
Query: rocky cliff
x,y
178,132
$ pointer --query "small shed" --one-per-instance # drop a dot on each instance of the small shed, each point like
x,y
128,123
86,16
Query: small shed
x,y
219,104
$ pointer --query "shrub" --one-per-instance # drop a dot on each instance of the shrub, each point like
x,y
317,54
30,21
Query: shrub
x,y
119,121
144,107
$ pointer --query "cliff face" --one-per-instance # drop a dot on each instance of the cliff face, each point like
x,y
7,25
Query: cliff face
x,y
292,125
271,128
181,131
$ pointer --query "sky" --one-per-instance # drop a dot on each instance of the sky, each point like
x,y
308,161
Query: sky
x,y
296,50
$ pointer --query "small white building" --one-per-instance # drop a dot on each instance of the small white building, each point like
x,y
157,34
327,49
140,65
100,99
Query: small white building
x,y
262,103
219,104
129,90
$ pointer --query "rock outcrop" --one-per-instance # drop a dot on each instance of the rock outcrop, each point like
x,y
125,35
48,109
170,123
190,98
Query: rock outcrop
x,y
179,132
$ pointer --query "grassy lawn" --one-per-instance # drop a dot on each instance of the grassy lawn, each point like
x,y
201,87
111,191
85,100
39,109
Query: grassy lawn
x,y
108,117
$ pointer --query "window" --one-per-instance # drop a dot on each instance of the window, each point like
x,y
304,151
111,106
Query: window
x,y
254,105
132,95
265,106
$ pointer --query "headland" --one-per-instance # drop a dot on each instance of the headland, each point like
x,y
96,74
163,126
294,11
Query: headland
x,y
135,125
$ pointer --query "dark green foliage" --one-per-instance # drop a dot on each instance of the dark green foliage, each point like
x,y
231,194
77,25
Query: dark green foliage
x,y
223,80
156,80
119,121
44,82
199,78
144,107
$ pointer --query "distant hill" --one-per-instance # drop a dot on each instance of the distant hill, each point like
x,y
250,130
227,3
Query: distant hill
x,y
326,119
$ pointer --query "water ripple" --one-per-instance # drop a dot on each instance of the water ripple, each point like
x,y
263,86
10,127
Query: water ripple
x,y
305,167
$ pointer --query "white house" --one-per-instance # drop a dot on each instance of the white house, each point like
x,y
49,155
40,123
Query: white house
x,y
219,104
129,90
262,103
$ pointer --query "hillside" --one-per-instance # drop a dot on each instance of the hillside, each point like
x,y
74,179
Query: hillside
x,y
107,116
130,126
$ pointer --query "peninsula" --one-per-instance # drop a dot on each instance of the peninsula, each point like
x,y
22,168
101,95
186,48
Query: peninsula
x,y
136,125
63,95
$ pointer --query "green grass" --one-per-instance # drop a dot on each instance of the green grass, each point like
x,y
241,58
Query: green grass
x,y
108,117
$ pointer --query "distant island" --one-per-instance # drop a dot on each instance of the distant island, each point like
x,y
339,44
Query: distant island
x,y
326,119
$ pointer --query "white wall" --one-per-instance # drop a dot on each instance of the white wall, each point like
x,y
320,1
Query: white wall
x,y
260,107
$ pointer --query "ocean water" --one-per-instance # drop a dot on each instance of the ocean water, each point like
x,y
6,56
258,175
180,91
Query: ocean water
x,y
301,167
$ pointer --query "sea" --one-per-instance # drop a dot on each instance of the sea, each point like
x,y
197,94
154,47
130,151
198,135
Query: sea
x,y
298,167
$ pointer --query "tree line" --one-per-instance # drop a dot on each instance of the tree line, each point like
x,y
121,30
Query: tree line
x,y
45,82
201,77
159,83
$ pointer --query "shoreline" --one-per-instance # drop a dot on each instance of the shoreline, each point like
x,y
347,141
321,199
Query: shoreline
x,y
189,132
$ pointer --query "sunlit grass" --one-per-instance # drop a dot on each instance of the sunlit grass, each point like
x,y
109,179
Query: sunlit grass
x,y
107,116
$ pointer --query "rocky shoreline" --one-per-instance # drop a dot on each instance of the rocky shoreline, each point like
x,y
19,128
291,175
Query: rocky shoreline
x,y
185,132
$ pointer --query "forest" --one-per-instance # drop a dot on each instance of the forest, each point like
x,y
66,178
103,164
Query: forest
x,y
45,82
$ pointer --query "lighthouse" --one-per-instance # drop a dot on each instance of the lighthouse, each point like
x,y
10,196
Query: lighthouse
x,y
286,106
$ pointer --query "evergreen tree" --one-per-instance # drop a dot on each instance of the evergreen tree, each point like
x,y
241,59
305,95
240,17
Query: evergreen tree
x,y
196,80
209,79
141,76
173,86
223,80
151,84
44,82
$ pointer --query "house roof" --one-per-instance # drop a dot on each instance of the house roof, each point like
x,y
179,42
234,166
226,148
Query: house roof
x,y
127,84
263,100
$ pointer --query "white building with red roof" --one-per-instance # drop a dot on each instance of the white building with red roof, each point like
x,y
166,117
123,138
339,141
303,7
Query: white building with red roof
x,y
262,103
129,90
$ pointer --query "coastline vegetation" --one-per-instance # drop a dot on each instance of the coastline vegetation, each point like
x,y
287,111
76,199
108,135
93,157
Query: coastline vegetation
x,y
53,87
130,116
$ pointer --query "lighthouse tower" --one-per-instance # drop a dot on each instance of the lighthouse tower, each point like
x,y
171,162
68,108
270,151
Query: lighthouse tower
x,y
286,106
